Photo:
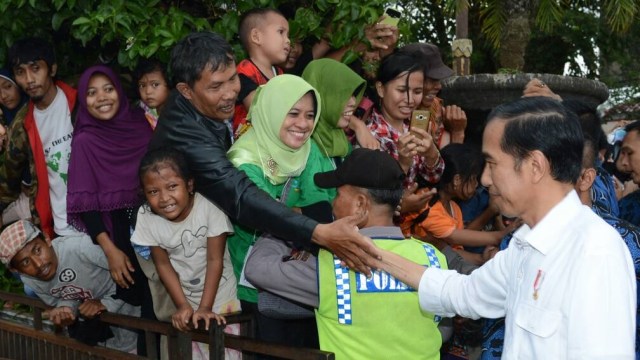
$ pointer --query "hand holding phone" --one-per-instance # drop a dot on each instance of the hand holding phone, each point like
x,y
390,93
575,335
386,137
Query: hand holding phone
x,y
420,120
391,17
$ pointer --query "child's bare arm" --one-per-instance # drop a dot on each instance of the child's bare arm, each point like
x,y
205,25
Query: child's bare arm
x,y
484,218
468,237
215,255
171,282
248,99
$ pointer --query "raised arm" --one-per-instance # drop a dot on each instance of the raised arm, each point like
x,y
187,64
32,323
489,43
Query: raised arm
x,y
204,143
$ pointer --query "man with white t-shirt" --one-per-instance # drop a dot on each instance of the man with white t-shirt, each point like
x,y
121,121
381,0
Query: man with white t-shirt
x,y
39,139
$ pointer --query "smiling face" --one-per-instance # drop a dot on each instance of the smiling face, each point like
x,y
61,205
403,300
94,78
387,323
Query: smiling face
x,y
153,89
36,79
214,94
298,124
292,58
9,94
102,98
168,195
36,259
274,38
345,118
399,96
506,184
431,88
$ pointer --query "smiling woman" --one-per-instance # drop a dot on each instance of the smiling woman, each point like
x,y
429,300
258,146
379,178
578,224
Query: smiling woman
x,y
103,101
273,153
12,99
109,139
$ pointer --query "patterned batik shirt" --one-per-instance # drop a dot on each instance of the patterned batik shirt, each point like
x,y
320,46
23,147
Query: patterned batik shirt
x,y
630,208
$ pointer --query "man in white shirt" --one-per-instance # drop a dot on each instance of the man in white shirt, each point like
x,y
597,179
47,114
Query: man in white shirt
x,y
566,283
39,141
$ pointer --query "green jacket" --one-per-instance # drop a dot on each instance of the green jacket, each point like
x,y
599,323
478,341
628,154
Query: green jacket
x,y
300,194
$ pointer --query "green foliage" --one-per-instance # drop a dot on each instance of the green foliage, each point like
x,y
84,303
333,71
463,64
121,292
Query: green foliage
x,y
8,283
123,31
427,21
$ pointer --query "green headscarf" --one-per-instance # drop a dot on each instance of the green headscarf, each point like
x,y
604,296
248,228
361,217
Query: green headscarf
x,y
336,83
261,144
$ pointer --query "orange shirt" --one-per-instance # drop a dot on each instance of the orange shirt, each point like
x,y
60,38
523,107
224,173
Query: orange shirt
x,y
438,224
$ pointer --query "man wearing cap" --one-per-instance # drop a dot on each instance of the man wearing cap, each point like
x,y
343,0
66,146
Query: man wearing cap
x,y
71,274
354,312
450,120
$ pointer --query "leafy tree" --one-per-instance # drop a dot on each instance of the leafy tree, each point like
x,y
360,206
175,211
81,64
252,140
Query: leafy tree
x,y
509,24
123,31
549,32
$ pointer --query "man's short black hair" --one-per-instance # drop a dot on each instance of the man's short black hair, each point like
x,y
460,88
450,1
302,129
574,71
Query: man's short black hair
x,y
31,49
541,123
389,197
634,126
196,52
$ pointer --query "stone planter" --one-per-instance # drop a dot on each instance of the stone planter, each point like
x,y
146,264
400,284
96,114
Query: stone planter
x,y
486,91
478,94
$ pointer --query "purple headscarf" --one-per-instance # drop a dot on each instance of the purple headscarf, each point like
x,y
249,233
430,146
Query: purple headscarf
x,y
105,155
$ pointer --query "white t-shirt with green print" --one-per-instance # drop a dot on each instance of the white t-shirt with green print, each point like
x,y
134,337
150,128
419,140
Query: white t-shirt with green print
x,y
55,130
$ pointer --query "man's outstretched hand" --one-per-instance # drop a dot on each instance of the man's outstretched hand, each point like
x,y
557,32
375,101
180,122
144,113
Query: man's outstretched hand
x,y
342,238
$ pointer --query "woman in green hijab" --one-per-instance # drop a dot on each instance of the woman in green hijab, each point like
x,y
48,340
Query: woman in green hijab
x,y
341,90
273,152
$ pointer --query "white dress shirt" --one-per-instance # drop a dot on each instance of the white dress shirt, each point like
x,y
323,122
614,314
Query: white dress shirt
x,y
567,288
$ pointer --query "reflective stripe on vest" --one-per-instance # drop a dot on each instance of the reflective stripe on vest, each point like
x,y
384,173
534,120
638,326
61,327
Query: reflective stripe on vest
x,y
343,287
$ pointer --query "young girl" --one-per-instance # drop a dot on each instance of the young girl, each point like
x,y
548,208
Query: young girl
x,y
153,88
187,235
441,219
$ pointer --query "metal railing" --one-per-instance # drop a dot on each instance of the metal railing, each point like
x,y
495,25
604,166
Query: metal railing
x,y
18,341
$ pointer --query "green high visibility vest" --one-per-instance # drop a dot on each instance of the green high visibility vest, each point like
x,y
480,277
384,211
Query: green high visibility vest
x,y
380,317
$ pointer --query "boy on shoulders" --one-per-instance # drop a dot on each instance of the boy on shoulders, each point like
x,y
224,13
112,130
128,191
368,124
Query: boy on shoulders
x,y
264,34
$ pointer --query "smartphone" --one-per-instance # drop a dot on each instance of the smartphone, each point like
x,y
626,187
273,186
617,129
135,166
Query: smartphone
x,y
391,17
420,120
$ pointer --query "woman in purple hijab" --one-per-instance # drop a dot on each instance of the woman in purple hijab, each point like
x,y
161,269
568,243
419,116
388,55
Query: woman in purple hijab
x,y
103,190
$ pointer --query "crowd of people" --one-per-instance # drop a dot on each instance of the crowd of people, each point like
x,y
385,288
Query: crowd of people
x,y
297,189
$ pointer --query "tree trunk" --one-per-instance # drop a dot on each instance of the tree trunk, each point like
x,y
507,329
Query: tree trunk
x,y
516,34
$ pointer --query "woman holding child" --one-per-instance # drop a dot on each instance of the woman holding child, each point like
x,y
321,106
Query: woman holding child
x,y
109,140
